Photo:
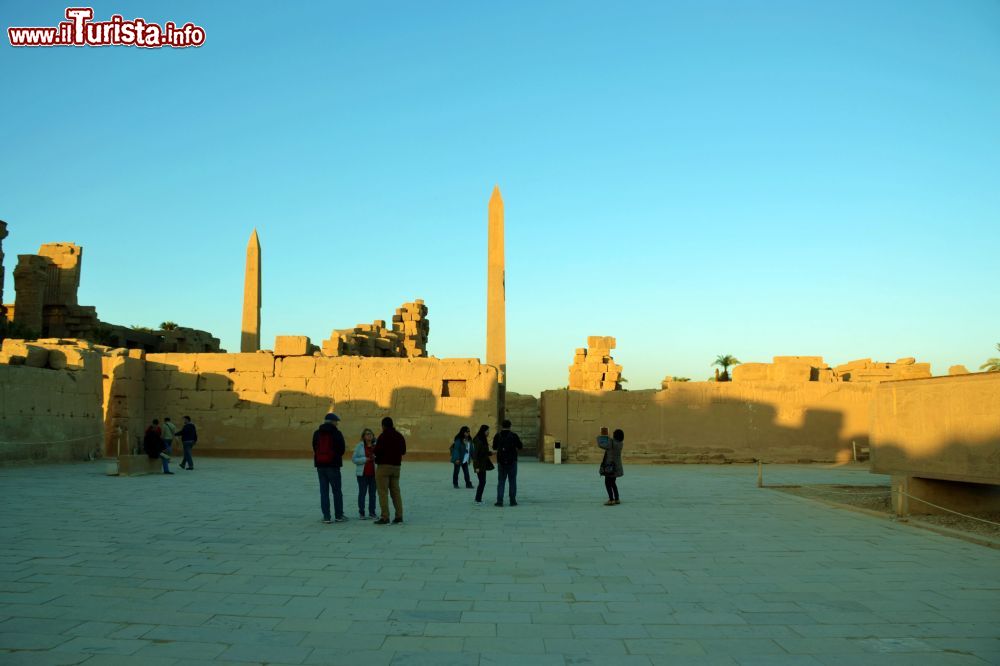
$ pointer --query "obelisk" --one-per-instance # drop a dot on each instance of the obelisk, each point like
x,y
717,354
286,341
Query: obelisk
x,y
496,299
250,338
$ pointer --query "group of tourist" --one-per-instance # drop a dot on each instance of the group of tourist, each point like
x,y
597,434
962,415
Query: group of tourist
x,y
377,462
159,439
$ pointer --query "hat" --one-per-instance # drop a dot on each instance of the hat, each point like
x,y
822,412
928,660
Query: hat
x,y
331,417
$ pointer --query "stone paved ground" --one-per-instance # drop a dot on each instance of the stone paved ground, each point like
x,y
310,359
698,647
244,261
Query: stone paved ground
x,y
696,566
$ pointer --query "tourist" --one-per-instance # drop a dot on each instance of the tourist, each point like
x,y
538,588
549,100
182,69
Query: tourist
x,y
364,460
328,457
506,444
390,447
481,462
168,431
152,443
189,437
611,464
460,456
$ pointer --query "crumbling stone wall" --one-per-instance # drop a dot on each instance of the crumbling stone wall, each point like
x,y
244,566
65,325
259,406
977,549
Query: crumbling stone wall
x,y
593,368
407,337
50,401
815,369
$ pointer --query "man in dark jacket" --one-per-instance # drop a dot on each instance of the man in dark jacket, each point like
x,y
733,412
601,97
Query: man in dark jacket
x,y
328,456
390,447
189,437
506,444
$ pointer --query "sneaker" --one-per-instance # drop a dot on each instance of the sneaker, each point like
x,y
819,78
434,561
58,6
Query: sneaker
x,y
513,502
617,502
397,520
372,516
381,521
327,521
168,472
498,504
340,519
609,503
363,517
479,502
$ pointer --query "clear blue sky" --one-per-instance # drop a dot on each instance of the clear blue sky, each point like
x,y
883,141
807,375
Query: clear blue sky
x,y
694,178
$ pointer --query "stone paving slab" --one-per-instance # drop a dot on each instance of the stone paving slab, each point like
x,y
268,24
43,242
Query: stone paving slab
x,y
231,564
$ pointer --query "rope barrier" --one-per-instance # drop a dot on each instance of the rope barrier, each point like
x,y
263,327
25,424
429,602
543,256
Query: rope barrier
x,y
56,441
963,515
845,492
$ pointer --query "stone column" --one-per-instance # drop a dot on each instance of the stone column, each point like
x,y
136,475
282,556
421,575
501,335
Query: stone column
x,y
31,277
250,338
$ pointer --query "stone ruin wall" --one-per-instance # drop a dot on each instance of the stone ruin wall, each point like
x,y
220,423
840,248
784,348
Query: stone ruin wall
x,y
593,367
525,417
698,422
50,401
405,337
261,405
815,369
46,302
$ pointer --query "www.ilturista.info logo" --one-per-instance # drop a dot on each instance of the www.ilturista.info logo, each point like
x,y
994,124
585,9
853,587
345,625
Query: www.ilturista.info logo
x,y
81,30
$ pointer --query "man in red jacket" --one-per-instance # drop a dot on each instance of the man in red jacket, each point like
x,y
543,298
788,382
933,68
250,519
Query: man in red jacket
x,y
390,447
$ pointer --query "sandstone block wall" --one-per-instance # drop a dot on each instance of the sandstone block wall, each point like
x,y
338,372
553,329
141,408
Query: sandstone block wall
x,y
50,408
525,417
124,399
261,405
593,367
714,422
944,428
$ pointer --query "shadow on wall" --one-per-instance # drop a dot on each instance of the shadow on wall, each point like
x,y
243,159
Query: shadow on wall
x,y
259,424
713,423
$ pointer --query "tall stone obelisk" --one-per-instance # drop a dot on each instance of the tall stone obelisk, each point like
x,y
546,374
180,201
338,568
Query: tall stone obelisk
x,y
250,338
496,299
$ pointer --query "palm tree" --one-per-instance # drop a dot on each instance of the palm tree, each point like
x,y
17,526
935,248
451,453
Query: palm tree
x,y
725,360
992,364
168,326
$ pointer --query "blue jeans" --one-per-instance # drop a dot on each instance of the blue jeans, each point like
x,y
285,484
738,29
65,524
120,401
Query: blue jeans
x,y
366,486
187,455
329,480
505,473
166,452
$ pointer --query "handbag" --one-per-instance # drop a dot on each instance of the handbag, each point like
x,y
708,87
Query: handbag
x,y
607,469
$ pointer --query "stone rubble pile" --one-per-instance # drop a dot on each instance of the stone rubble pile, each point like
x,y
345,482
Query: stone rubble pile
x,y
593,368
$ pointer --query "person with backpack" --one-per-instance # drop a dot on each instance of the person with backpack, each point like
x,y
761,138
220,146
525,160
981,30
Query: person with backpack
x,y
328,457
481,462
506,444
364,460
189,437
152,444
460,456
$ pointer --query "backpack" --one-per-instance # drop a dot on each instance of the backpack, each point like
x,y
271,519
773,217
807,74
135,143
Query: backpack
x,y
324,449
